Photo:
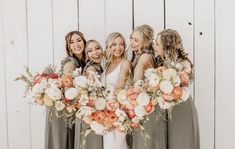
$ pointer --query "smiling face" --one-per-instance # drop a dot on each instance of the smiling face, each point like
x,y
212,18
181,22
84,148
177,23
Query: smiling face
x,y
135,41
76,45
94,52
118,47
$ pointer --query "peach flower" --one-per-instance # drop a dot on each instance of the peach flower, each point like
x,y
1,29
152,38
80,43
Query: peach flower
x,y
177,92
112,105
132,93
184,78
67,81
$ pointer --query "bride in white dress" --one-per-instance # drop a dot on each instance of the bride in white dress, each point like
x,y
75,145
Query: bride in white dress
x,y
117,69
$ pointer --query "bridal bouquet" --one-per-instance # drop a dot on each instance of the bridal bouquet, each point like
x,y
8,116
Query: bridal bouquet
x,y
43,88
137,104
169,84
99,109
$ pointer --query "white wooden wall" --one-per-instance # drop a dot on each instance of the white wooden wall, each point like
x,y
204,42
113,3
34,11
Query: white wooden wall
x,y
32,33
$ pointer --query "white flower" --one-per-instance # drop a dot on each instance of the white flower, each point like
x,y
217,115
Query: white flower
x,y
143,99
166,86
52,82
121,97
163,104
153,80
71,93
121,115
149,72
59,105
139,83
39,87
54,93
169,74
135,120
97,128
84,111
178,66
83,99
176,80
100,103
186,93
80,81
139,111
77,72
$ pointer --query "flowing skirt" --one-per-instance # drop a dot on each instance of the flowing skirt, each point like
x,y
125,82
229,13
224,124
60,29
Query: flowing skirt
x,y
183,129
57,135
156,128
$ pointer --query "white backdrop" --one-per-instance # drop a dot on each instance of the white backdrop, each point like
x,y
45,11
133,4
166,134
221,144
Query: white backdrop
x,y
32,33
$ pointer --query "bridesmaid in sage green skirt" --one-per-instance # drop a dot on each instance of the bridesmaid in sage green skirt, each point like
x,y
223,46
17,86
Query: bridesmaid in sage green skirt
x,y
94,54
183,129
57,135
142,46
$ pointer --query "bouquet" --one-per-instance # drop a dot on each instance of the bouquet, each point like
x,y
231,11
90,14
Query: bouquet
x,y
168,84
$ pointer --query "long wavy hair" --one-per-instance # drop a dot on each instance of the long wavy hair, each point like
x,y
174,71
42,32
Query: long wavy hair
x,y
68,39
172,45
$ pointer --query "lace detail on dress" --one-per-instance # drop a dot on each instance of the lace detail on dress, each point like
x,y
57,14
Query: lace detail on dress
x,y
76,63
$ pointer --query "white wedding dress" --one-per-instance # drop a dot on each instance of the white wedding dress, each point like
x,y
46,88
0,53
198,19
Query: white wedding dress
x,y
115,139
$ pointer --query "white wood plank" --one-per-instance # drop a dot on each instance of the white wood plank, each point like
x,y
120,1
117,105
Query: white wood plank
x,y
119,18
178,16
225,82
65,19
92,19
3,110
15,56
204,70
149,12
40,54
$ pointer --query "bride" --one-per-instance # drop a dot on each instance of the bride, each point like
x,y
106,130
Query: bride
x,y
117,69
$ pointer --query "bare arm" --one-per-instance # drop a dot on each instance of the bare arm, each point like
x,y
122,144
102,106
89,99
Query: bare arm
x,y
144,62
68,68
124,72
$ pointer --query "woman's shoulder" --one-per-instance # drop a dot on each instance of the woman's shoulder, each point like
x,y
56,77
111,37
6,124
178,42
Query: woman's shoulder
x,y
125,62
69,60
145,58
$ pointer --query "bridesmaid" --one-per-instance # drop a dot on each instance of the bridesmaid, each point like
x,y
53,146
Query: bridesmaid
x,y
57,135
117,69
94,55
183,130
141,42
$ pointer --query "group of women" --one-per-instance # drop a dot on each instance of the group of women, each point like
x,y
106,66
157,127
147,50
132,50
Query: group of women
x,y
179,133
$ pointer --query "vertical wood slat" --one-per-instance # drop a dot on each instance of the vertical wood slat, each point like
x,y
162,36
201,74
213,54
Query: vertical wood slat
x,y
179,16
40,45
15,42
65,19
92,20
225,82
204,70
149,12
3,101
119,18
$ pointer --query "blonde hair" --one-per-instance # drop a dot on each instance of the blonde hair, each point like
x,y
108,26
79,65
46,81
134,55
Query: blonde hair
x,y
147,37
89,42
109,43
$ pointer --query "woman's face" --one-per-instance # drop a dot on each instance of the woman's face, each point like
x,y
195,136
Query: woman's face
x,y
159,46
76,44
135,41
94,52
118,47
